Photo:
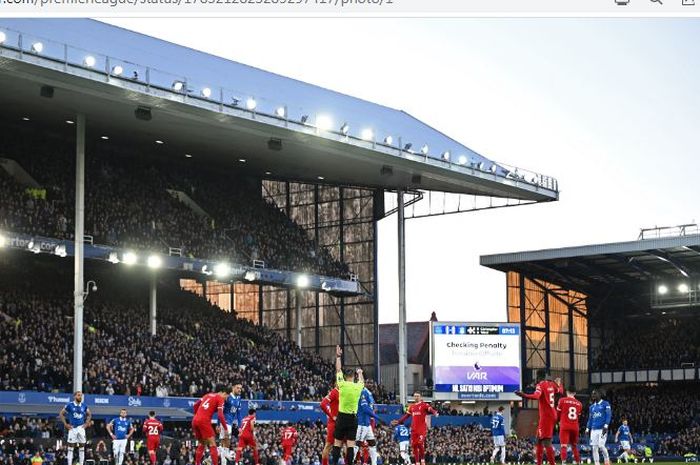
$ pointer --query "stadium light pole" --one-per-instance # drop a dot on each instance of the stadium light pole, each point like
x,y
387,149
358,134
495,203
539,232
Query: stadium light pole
x,y
78,292
402,297
298,316
153,303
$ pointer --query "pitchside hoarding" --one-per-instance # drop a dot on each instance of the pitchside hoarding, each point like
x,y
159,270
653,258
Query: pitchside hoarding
x,y
475,361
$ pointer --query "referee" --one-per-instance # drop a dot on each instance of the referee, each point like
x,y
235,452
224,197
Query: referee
x,y
346,424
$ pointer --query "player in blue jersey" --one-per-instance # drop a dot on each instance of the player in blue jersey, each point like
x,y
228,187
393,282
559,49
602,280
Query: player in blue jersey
x,y
365,414
76,416
498,431
599,417
233,413
402,435
625,437
120,430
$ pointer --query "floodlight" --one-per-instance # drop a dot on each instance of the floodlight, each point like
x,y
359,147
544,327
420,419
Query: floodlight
x,y
683,288
345,129
302,281
425,149
154,261
251,104
324,123
89,61
113,258
129,258
446,155
37,47
663,289
388,140
3,37
462,160
3,241
281,112
206,92
178,86
222,270
407,147
367,134
117,70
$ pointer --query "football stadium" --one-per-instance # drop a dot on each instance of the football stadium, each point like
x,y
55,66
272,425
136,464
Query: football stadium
x,y
189,274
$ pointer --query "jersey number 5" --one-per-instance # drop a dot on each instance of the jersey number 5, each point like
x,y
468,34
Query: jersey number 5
x,y
551,399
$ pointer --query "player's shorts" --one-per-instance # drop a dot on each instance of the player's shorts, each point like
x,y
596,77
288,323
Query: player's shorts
x,y
545,430
568,436
286,451
229,428
76,435
246,441
330,432
152,442
499,441
365,433
598,438
403,446
345,427
202,430
625,445
119,446
417,439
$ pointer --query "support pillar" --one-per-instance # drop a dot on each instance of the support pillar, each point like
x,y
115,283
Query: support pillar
x,y
153,303
78,276
403,356
297,298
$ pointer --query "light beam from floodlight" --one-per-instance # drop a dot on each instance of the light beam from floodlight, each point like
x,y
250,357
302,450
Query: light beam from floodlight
x,y
222,270
129,258
324,123
302,281
663,289
3,241
154,261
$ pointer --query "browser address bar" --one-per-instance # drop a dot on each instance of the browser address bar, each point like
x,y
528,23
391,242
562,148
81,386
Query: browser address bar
x,y
368,8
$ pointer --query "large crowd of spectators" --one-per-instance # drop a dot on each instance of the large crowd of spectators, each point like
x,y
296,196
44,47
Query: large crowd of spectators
x,y
648,344
128,203
685,442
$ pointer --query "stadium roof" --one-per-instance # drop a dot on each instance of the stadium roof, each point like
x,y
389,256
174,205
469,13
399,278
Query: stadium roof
x,y
202,105
586,268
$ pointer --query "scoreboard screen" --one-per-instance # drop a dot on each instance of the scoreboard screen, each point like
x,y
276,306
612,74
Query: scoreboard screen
x,y
475,360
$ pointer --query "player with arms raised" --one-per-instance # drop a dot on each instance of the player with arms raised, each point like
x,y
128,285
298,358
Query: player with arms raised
x,y
152,429
569,409
544,394
79,418
204,410
246,437
417,411
289,440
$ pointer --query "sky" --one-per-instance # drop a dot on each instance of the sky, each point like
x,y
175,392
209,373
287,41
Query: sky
x,y
610,108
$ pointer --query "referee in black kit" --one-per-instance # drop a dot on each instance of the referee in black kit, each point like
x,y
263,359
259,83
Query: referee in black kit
x,y
346,424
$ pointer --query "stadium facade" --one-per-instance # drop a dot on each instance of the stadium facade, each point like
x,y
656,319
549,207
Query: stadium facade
x,y
327,160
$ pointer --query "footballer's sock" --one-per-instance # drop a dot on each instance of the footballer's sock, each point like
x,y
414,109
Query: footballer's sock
x,y
493,455
595,452
405,457
70,456
606,457
373,455
577,454
214,455
152,456
539,451
256,456
198,454
222,455
324,460
335,455
81,455
564,453
550,455
503,454
416,454
350,456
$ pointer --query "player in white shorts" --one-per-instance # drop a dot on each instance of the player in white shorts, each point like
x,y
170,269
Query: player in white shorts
x,y
402,435
76,416
120,430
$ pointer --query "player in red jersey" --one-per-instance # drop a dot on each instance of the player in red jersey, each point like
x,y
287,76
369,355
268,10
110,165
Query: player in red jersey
x,y
152,429
417,411
289,440
329,406
569,409
246,437
204,410
545,393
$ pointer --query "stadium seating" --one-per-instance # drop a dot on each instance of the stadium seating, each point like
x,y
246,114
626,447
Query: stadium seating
x,y
667,343
128,205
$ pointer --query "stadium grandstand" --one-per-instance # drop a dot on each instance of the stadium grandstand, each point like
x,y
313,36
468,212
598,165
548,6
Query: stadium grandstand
x,y
621,317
